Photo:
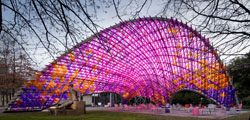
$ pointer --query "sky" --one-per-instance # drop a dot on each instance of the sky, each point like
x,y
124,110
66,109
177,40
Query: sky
x,y
106,17
105,20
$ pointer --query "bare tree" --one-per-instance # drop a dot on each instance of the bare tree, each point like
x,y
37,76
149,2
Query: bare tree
x,y
56,25
15,68
50,23
226,22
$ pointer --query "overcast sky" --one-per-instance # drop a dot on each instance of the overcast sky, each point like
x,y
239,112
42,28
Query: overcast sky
x,y
106,17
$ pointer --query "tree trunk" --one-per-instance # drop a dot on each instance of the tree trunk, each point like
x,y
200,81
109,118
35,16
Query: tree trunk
x,y
6,95
10,94
3,97
1,102
0,16
13,92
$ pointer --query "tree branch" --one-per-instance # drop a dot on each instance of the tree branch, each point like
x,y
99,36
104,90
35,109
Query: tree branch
x,y
1,20
241,5
30,27
116,10
37,11
137,12
213,16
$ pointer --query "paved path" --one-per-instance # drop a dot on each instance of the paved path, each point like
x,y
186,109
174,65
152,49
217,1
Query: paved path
x,y
218,114
1,110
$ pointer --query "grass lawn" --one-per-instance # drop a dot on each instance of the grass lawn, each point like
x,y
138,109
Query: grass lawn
x,y
104,115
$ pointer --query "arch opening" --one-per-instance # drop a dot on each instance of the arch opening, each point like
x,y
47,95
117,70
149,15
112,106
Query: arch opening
x,y
195,98
106,99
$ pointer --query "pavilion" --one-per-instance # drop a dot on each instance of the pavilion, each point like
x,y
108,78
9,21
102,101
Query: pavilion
x,y
149,57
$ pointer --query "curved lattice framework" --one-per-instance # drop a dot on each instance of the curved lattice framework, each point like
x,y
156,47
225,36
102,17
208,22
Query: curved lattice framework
x,y
151,57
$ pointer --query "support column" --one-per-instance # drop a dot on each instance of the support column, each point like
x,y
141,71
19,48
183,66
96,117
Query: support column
x,y
110,98
0,98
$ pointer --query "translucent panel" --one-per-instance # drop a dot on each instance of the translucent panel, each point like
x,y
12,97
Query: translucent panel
x,y
150,57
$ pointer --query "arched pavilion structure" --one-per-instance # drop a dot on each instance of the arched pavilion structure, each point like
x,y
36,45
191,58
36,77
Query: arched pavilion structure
x,y
150,57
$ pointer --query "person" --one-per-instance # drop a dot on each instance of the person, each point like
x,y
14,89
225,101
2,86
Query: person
x,y
167,105
74,97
